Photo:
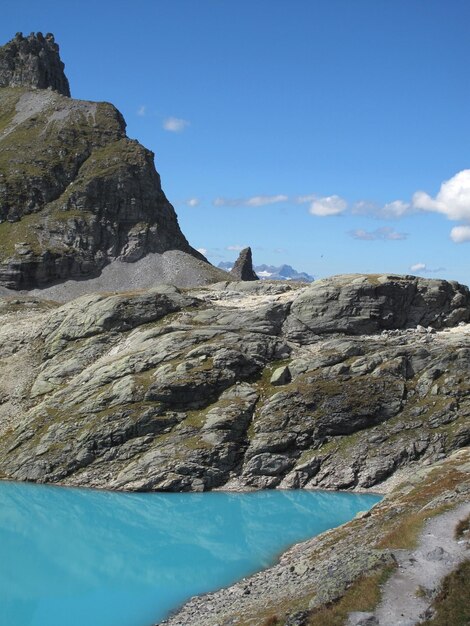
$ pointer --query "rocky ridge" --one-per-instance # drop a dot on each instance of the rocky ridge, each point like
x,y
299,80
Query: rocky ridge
x,y
75,192
236,385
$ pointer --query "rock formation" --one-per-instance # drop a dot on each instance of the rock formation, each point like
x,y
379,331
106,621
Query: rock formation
x,y
75,192
365,304
243,268
236,384
33,62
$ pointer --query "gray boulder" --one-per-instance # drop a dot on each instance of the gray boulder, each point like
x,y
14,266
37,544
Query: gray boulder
x,y
281,376
358,304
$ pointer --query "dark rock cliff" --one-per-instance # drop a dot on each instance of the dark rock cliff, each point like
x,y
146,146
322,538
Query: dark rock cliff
x,y
75,192
33,61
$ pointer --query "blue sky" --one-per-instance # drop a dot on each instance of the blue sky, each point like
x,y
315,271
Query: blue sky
x,y
320,132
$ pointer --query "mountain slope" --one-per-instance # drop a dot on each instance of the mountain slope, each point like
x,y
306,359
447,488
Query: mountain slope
x,y
75,192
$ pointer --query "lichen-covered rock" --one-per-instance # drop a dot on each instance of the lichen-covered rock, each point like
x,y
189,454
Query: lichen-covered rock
x,y
281,376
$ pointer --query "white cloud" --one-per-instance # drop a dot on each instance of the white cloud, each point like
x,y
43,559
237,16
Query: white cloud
x,y
175,124
397,208
390,210
386,233
328,205
253,201
308,198
365,207
422,268
192,202
460,234
418,267
235,248
452,200
359,233
323,206
264,200
142,110
202,251
220,201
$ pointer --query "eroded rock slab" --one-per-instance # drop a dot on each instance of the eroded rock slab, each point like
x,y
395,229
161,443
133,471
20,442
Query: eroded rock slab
x,y
206,388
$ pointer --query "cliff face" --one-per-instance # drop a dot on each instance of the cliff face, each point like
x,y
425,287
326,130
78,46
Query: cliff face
x,y
75,192
218,387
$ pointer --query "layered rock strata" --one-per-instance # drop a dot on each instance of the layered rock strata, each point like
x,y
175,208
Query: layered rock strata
x,y
170,390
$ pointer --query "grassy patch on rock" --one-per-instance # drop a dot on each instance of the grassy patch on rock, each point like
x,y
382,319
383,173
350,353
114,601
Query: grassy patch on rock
x,y
462,528
363,595
451,606
418,505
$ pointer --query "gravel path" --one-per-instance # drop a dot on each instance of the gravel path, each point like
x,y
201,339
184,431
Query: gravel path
x,y
422,570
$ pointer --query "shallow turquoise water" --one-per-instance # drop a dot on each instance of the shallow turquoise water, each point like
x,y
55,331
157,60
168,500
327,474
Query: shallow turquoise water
x,y
70,557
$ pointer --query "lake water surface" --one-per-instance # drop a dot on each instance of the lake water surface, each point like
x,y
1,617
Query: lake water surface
x,y
70,557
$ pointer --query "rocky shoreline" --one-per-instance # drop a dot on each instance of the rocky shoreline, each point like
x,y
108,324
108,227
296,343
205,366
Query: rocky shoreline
x,y
312,577
245,386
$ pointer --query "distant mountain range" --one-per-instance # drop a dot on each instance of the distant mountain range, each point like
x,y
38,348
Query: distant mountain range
x,y
283,272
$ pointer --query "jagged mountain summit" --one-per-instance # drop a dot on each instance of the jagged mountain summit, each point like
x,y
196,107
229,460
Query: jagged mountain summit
x,y
76,194
272,272
283,272
34,62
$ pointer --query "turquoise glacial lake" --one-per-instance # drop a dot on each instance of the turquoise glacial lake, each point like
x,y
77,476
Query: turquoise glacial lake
x,y
70,557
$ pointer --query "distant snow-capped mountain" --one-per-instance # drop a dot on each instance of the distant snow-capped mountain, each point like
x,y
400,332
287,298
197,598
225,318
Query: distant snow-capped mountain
x,y
283,272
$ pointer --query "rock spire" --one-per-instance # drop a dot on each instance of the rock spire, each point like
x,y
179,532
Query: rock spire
x,y
243,268
33,61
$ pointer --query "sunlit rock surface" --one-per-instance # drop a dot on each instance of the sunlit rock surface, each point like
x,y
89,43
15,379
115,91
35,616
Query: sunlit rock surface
x,y
177,390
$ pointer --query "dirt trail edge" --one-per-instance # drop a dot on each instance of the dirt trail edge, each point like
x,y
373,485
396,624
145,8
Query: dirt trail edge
x,y
407,594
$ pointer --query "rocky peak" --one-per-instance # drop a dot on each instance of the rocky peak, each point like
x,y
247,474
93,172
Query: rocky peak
x,y
33,61
243,268
76,194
